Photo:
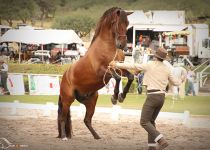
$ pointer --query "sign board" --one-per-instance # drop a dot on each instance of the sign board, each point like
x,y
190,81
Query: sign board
x,y
43,85
15,84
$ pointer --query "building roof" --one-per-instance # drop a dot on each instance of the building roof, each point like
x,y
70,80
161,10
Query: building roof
x,y
138,17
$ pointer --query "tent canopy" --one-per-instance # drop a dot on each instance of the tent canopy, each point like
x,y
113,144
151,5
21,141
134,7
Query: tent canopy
x,y
160,28
41,36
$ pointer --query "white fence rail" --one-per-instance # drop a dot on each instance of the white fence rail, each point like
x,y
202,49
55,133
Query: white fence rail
x,y
113,112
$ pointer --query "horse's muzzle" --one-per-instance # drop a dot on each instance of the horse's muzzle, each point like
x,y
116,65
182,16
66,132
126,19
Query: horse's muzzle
x,y
121,44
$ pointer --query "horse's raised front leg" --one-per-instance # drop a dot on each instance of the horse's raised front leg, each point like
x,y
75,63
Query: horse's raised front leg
x,y
130,77
64,119
90,109
116,89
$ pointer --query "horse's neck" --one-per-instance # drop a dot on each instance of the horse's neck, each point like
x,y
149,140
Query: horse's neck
x,y
104,41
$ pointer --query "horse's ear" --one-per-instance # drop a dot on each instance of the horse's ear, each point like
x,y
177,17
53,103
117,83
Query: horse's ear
x,y
128,13
118,12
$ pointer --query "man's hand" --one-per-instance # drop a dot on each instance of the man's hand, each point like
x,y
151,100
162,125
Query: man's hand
x,y
112,64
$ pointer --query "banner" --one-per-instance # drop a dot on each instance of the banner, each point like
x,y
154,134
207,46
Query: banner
x,y
15,84
43,85
109,87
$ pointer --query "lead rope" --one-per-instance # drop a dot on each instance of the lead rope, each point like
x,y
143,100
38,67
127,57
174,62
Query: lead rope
x,y
108,69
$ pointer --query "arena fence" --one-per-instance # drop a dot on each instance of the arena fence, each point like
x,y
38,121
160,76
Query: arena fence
x,y
113,112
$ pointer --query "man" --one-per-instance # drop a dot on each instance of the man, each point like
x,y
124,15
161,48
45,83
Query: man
x,y
156,77
4,75
191,80
82,50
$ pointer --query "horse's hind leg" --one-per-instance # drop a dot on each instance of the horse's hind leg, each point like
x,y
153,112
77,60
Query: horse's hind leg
x,y
90,109
116,89
130,77
64,119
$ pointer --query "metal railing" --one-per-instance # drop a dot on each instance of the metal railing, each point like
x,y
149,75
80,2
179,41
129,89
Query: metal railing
x,y
202,76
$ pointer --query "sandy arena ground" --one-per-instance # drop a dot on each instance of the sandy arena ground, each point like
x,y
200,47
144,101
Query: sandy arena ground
x,y
38,132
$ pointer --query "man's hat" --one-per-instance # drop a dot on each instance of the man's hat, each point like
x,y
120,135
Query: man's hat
x,y
161,53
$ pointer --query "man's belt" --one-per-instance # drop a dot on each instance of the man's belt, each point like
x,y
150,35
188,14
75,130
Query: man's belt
x,y
153,90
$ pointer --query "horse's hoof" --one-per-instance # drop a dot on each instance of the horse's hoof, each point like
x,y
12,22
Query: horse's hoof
x,y
114,101
64,139
120,98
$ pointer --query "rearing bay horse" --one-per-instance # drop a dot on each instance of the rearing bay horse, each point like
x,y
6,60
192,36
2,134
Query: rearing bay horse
x,y
86,76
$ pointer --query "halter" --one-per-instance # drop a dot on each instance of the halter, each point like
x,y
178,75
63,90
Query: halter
x,y
117,35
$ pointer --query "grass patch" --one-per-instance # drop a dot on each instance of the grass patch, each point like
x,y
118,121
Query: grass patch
x,y
197,105
37,68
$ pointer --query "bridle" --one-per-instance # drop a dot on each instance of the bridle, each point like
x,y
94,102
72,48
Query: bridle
x,y
117,34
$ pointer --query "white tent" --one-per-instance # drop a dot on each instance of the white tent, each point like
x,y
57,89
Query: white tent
x,y
41,36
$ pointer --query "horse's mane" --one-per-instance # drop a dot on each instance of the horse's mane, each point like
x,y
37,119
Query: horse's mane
x,y
106,16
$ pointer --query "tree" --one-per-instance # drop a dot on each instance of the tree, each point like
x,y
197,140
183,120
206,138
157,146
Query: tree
x,y
47,8
81,24
26,10
8,11
17,10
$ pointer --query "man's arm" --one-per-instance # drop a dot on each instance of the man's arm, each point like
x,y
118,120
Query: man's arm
x,y
128,66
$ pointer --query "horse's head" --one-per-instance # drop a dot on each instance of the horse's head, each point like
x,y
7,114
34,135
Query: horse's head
x,y
113,23
119,27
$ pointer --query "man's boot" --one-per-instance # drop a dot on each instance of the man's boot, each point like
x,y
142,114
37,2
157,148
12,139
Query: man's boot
x,y
162,143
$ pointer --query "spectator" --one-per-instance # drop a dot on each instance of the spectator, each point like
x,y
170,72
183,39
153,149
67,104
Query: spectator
x,y
140,40
82,50
140,77
190,80
4,75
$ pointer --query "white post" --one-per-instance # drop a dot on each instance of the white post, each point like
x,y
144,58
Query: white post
x,y
81,111
62,49
134,38
186,117
160,40
47,109
200,79
62,53
19,53
42,53
115,113
14,107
